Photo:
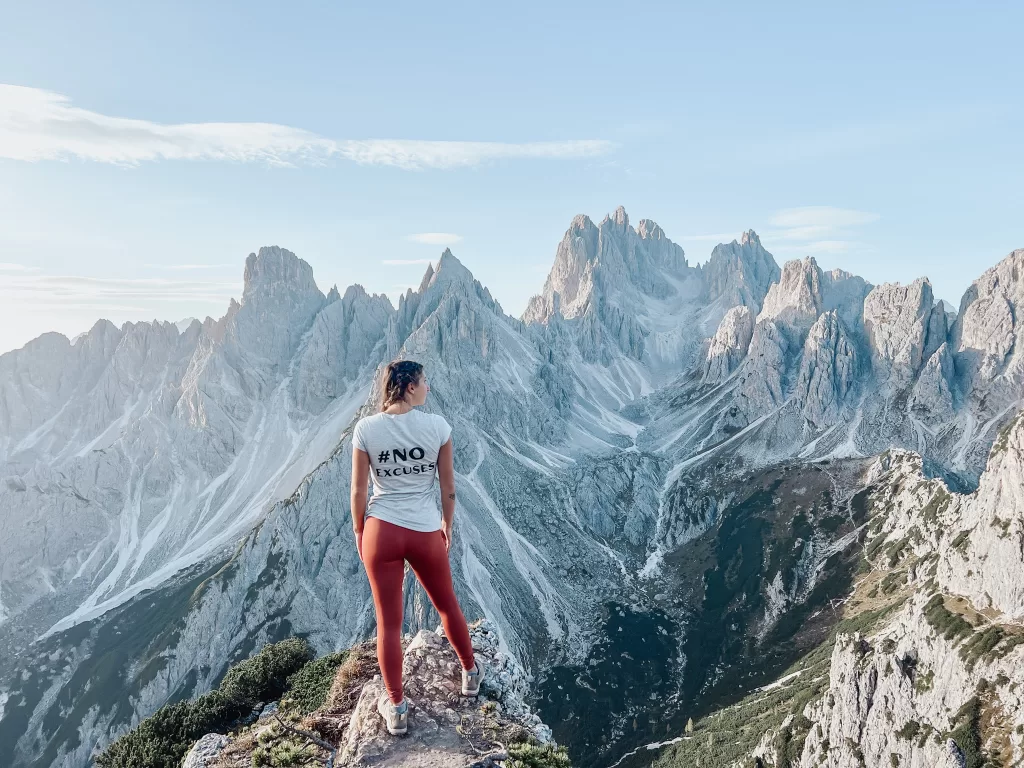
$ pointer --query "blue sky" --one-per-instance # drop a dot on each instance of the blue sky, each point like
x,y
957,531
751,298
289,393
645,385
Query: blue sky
x,y
880,139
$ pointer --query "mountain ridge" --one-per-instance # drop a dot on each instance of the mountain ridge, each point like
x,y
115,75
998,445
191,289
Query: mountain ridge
x,y
597,440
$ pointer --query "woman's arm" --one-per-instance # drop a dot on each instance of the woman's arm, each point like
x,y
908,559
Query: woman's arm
x,y
360,474
446,475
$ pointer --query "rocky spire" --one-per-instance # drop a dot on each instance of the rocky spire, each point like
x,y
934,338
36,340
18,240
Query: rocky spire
x,y
427,277
896,320
739,273
795,301
278,271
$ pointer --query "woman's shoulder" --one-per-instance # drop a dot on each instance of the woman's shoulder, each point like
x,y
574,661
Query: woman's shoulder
x,y
443,428
369,419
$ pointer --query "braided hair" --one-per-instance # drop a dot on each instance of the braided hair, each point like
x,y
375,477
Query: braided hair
x,y
394,382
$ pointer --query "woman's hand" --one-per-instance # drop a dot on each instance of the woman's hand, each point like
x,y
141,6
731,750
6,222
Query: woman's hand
x,y
359,542
446,535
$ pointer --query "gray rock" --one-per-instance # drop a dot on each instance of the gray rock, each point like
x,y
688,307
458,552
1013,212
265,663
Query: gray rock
x,y
729,345
444,728
739,273
204,752
828,371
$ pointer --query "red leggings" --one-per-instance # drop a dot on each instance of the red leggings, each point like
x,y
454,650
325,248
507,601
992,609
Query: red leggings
x,y
386,547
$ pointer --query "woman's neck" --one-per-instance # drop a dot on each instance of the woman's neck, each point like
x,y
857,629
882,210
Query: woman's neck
x,y
403,406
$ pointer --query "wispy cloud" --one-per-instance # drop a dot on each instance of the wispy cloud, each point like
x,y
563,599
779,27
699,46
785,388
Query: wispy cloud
x,y
189,266
75,291
6,266
818,221
41,125
435,238
721,237
829,246
817,229
394,262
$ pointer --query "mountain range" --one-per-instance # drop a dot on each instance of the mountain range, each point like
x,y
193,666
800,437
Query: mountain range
x,y
668,474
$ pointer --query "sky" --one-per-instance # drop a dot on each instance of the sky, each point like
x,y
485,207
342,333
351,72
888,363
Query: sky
x,y
147,148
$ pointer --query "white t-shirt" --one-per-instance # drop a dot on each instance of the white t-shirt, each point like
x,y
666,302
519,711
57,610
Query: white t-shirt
x,y
403,450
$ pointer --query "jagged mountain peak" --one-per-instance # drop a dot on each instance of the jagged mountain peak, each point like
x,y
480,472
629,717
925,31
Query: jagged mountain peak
x,y
986,332
449,270
739,273
581,222
101,329
796,299
333,295
612,257
619,218
356,292
449,261
428,275
273,267
649,230
450,276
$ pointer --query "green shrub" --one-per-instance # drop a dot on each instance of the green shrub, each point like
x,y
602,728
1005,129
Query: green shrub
x,y
967,734
923,681
264,677
909,730
525,755
960,542
163,738
951,626
308,688
894,581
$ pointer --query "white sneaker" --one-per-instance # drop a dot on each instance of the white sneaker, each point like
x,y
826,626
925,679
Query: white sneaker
x,y
471,680
396,718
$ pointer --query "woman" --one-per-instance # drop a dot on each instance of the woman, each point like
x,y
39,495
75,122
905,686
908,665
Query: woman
x,y
403,450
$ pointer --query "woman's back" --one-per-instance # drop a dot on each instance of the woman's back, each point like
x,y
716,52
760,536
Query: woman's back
x,y
403,450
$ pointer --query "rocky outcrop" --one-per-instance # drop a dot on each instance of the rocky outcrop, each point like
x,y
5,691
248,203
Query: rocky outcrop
x,y
986,333
739,273
844,294
985,562
904,326
935,680
762,380
795,301
341,343
445,728
729,345
206,751
828,371
279,300
932,397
